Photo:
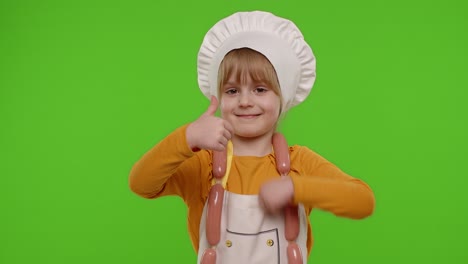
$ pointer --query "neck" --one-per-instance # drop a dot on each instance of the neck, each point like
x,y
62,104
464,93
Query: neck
x,y
258,146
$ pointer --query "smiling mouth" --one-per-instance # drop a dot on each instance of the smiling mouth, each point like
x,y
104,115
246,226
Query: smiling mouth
x,y
248,116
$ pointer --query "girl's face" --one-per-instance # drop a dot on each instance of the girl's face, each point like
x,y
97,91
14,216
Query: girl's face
x,y
252,108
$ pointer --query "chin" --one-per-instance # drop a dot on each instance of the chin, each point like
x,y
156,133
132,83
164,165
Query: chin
x,y
252,134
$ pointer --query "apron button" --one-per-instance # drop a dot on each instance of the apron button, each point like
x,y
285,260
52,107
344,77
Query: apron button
x,y
228,243
270,242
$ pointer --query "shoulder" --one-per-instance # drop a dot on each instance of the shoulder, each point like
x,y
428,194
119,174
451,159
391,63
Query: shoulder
x,y
304,155
298,151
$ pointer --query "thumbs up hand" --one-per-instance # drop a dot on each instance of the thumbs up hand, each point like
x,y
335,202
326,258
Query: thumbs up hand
x,y
209,131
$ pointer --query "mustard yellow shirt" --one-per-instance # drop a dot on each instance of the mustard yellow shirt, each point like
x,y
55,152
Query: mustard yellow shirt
x,y
172,168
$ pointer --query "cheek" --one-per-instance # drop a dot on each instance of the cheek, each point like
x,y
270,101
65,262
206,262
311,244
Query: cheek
x,y
275,107
223,107
278,107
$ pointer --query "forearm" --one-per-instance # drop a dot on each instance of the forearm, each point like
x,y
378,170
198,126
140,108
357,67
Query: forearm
x,y
150,174
347,197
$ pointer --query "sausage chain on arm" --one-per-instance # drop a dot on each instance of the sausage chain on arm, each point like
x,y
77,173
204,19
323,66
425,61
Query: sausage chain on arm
x,y
291,217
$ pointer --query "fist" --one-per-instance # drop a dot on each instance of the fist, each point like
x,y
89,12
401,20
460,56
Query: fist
x,y
209,131
276,194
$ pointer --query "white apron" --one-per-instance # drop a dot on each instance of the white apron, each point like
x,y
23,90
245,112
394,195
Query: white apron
x,y
249,235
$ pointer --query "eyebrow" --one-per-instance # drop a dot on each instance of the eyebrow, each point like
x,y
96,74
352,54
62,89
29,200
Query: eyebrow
x,y
230,84
262,83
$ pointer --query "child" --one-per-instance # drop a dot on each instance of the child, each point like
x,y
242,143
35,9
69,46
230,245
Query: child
x,y
254,66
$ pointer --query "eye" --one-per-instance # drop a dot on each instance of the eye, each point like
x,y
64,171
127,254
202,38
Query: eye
x,y
231,91
260,90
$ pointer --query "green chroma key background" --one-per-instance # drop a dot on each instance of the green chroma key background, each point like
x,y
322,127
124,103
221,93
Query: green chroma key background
x,y
86,87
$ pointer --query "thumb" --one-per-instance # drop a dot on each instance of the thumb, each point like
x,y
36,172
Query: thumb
x,y
213,106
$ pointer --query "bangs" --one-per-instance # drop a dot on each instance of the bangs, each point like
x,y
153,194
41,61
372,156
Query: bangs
x,y
243,63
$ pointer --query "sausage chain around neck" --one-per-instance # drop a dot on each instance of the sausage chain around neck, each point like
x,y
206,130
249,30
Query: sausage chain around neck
x,y
216,197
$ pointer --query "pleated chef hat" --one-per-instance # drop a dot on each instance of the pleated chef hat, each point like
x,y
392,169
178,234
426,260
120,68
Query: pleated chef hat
x,y
278,39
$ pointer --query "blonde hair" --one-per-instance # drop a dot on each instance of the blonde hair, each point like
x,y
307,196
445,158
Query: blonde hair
x,y
245,62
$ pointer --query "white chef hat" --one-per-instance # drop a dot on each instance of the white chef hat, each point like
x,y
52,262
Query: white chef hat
x,y
278,39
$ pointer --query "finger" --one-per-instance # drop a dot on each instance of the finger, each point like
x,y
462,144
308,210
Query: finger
x,y
265,205
227,134
275,211
219,147
212,107
223,141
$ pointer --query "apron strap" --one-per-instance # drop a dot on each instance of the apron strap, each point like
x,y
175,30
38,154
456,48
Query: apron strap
x,y
218,156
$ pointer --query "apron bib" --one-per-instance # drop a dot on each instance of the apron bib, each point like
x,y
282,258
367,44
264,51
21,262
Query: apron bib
x,y
248,234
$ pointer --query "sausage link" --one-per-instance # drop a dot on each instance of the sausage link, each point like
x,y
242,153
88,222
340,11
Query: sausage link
x,y
213,218
219,163
294,253
291,222
281,154
209,256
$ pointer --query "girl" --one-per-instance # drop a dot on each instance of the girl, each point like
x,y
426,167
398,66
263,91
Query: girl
x,y
256,66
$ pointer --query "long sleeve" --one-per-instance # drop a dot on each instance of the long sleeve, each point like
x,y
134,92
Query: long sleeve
x,y
169,168
320,184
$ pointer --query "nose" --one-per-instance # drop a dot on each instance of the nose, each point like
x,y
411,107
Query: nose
x,y
245,99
